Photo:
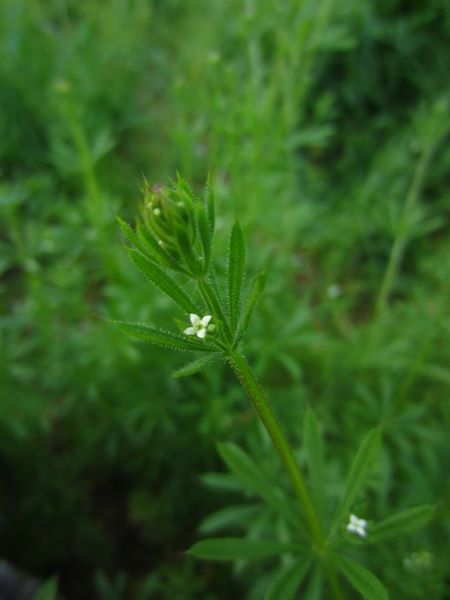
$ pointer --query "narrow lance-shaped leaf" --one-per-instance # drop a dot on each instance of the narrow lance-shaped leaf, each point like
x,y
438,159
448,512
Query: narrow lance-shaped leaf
x,y
404,522
359,471
254,479
210,207
236,272
364,582
211,298
315,457
195,366
236,516
128,231
287,584
150,246
158,277
254,294
237,548
187,250
314,590
204,233
146,244
222,482
242,465
185,191
160,337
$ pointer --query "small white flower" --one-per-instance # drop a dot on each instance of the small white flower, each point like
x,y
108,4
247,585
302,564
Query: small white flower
x,y
357,526
199,326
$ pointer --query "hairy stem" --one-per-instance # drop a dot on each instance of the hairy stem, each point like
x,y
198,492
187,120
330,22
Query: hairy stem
x,y
262,406
260,402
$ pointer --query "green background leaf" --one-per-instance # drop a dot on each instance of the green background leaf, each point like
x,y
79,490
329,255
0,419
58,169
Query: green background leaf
x,y
286,585
236,272
315,456
365,582
255,480
404,522
237,548
48,591
160,337
359,472
195,366
254,294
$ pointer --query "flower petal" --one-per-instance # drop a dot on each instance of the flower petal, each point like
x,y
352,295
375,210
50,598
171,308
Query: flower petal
x,y
362,523
195,319
201,333
206,319
361,532
190,331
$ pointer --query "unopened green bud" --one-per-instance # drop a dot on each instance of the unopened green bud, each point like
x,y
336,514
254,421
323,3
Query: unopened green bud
x,y
169,216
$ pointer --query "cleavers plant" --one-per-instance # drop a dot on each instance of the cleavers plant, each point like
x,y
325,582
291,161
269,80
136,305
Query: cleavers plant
x,y
175,234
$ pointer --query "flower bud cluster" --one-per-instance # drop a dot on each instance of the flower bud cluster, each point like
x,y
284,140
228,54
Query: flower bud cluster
x,y
171,221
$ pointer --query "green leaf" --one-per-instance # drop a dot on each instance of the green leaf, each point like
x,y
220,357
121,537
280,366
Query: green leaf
x,y
184,190
127,231
253,296
210,207
236,272
205,234
359,472
237,548
314,590
48,590
143,241
230,516
195,366
212,300
245,469
404,522
160,279
187,250
222,482
365,582
150,246
255,480
286,585
160,337
315,457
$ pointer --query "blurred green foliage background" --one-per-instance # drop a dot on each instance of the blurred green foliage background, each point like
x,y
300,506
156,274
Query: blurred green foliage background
x,y
325,126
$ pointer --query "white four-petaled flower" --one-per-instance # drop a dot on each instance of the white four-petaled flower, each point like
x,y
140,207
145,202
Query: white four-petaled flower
x,y
357,526
199,326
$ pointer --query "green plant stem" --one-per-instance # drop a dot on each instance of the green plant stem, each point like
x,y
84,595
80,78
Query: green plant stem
x,y
262,406
89,178
399,245
95,205
256,394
